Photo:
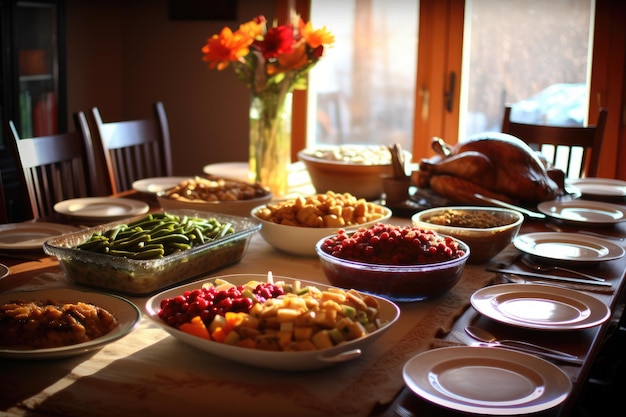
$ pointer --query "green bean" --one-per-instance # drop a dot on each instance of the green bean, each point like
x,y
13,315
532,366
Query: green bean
x,y
156,235
93,245
132,242
149,254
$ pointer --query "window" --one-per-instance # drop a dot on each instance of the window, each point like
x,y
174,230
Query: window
x,y
364,90
365,85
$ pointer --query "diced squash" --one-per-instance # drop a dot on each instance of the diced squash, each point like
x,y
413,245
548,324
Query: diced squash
x,y
350,329
326,318
267,342
322,339
286,327
306,319
287,315
336,336
302,332
232,338
284,338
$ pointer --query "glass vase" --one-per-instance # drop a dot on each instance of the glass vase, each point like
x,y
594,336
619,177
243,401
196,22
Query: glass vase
x,y
270,141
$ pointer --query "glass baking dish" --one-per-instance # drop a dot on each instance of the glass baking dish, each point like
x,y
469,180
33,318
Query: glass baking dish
x,y
144,277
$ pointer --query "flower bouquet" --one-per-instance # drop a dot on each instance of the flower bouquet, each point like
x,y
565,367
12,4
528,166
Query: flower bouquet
x,y
271,62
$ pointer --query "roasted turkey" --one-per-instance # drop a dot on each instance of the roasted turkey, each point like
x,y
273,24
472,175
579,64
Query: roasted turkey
x,y
495,165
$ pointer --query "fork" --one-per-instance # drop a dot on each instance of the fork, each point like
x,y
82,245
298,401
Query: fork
x,y
558,268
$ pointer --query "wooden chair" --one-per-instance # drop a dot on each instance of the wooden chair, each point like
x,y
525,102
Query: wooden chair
x,y
56,167
4,215
135,149
563,146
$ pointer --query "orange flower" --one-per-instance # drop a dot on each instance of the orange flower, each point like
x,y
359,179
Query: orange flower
x,y
221,49
294,60
315,38
254,28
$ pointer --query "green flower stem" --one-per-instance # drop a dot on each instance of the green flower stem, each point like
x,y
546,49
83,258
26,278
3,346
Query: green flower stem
x,y
270,140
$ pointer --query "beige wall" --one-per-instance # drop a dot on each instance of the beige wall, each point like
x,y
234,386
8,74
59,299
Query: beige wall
x,y
124,55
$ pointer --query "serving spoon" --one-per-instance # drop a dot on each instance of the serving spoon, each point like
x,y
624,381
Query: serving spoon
x,y
542,268
484,336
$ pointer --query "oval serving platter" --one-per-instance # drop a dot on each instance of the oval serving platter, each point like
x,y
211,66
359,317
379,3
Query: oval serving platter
x,y
290,361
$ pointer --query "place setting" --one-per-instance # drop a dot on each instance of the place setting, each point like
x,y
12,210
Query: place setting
x,y
29,236
601,189
156,185
101,208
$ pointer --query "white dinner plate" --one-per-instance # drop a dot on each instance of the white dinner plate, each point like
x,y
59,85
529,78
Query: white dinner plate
x,y
30,235
4,271
570,247
583,211
290,361
540,307
102,208
157,184
235,170
126,313
600,188
485,380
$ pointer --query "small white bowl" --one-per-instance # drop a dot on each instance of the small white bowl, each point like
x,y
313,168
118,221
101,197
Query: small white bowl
x,y
301,240
234,208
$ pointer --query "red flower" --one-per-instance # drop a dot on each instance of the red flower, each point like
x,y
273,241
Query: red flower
x,y
278,40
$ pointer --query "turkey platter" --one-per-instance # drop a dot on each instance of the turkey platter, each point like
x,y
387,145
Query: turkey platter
x,y
496,165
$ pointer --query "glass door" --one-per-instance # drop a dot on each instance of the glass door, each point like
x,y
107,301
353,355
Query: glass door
x,y
534,55
364,87
36,44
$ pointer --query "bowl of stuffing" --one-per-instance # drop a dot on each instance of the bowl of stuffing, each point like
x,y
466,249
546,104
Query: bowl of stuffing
x,y
354,169
401,263
295,225
214,194
486,230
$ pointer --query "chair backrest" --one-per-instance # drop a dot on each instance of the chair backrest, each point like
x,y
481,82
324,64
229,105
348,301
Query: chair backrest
x,y
563,146
4,215
135,149
56,167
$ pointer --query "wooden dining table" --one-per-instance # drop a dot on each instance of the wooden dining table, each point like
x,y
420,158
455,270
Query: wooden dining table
x,y
150,373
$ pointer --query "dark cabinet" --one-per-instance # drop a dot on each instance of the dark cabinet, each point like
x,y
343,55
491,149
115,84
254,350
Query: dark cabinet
x,y
33,90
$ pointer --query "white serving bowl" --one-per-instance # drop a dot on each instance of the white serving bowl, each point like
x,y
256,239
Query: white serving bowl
x,y
287,361
361,177
301,240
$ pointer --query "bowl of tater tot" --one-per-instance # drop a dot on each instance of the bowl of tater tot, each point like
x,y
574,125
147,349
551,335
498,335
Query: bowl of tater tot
x,y
295,225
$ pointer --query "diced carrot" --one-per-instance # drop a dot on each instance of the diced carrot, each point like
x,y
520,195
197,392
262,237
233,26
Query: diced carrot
x,y
219,335
233,320
196,327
